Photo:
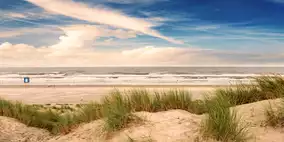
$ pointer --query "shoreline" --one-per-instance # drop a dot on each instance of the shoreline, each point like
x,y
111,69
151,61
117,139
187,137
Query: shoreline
x,y
114,86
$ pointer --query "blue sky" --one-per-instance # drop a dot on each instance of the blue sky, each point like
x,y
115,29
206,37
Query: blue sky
x,y
141,32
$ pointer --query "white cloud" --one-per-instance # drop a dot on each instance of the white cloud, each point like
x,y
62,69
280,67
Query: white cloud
x,y
91,32
118,33
25,55
100,15
87,29
75,49
24,14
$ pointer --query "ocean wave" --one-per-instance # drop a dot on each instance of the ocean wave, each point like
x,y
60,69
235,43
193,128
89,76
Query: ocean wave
x,y
127,77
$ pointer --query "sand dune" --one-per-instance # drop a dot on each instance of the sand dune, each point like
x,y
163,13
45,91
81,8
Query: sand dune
x,y
13,131
168,126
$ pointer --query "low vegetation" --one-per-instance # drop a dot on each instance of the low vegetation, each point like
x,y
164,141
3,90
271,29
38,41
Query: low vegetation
x,y
89,112
31,116
275,114
264,88
221,123
117,111
275,117
273,87
117,108
143,100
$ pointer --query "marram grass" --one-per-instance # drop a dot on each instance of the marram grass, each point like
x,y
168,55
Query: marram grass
x,y
116,111
221,123
30,116
264,88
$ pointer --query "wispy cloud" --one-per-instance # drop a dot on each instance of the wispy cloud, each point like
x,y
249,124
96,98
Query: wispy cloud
x,y
17,15
100,15
25,14
135,1
200,31
206,28
13,32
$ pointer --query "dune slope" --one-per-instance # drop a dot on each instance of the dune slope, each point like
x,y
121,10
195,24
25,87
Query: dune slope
x,y
168,126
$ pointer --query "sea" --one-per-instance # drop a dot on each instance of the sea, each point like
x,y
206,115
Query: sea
x,y
134,75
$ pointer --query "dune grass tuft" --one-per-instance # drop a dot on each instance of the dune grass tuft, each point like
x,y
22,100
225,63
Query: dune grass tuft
x,y
143,100
241,94
139,100
89,112
176,99
116,111
221,123
29,115
272,86
264,88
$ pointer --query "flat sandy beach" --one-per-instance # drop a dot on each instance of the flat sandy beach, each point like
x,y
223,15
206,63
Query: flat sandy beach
x,y
81,94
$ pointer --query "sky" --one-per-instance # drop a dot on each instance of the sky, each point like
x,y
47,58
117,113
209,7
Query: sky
x,y
83,33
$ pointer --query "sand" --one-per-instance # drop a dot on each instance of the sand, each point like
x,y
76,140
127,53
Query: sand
x,y
253,115
79,94
13,131
168,126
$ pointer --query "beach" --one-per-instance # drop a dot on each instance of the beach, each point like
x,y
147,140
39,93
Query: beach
x,y
70,85
60,113
65,94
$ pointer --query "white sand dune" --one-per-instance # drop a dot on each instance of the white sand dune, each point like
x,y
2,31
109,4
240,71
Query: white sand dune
x,y
13,131
253,115
168,126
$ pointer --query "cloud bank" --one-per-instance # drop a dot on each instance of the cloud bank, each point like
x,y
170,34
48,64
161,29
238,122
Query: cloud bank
x,y
22,55
75,48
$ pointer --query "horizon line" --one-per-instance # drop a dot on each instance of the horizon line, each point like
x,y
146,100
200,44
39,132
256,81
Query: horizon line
x,y
143,66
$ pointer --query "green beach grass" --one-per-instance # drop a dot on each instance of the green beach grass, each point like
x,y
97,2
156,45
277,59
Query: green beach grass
x,y
117,108
221,123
